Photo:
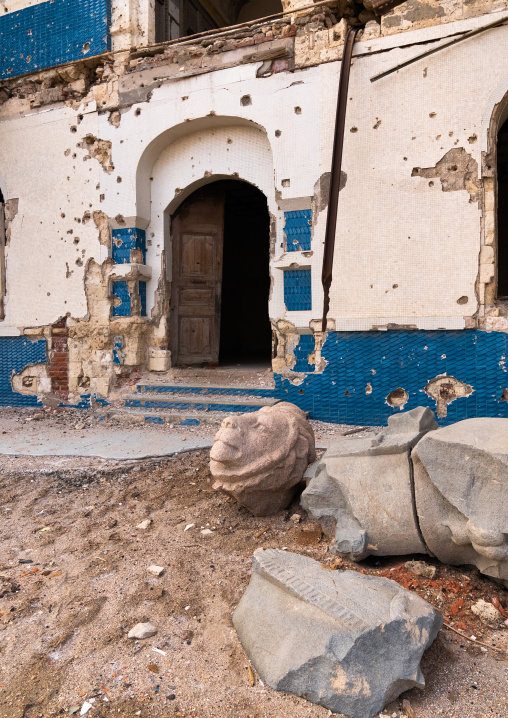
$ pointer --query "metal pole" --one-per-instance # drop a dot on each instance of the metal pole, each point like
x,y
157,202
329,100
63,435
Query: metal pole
x,y
338,144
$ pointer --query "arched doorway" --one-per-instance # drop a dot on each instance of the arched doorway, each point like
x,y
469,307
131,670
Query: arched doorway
x,y
220,239
502,212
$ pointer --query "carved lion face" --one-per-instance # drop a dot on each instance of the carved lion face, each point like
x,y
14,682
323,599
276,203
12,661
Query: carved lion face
x,y
252,445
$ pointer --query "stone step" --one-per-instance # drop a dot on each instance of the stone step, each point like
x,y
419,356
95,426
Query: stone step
x,y
184,418
197,389
202,403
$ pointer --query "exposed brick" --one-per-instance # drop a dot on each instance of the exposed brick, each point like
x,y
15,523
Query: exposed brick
x,y
246,43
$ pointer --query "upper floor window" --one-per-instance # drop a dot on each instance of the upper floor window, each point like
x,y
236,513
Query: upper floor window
x,y
180,18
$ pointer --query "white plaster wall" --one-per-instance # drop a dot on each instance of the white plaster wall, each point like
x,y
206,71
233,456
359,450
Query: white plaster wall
x,y
393,228
54,189
132,23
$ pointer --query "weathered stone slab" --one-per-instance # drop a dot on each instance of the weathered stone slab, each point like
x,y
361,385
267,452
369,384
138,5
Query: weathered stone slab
x,y
364,486
349,642
461,487
260,458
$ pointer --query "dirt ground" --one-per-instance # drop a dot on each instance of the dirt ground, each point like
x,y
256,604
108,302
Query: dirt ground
x,y
74,581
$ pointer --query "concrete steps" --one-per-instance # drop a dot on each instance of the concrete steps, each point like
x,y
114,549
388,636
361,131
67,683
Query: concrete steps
x,y
190,404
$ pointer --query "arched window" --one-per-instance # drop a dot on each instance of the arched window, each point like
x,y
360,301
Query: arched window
x,y
502,212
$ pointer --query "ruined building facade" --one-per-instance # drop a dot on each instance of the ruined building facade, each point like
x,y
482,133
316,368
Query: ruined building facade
x,y
164,179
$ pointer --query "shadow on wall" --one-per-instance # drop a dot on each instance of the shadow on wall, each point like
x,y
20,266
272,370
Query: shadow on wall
x,y
366,369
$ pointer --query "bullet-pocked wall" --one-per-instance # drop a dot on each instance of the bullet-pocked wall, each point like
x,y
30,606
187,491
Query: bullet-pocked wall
x,y
414,252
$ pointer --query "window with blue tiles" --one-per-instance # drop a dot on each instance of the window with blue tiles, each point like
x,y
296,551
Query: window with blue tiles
x,y
298,230
126,239
297,289
53,33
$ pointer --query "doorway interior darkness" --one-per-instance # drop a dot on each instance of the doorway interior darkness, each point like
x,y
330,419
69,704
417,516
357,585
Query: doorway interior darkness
x,y
221,277
502,212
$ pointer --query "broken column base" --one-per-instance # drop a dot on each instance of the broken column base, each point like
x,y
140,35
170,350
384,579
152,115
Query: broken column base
x,y
159,359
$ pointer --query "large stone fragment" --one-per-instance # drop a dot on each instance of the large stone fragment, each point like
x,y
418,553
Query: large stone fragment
x,y
364,487
349,642
461,486
260,458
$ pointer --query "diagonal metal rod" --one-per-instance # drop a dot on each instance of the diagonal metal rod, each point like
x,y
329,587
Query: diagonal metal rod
x,y
455,41
338,145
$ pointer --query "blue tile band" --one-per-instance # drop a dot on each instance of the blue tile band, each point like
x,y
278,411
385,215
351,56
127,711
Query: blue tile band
x,y
123,240
364,367
121,292
15,354
298,230
53,33
297,289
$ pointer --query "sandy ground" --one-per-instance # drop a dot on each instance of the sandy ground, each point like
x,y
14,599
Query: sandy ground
x,y
74,581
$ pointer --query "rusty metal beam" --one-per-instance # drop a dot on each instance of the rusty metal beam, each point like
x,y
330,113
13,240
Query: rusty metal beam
x,y
338,145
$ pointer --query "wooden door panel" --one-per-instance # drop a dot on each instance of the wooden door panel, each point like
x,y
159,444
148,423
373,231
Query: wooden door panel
x,y
195,337
197,237
198,256
192,296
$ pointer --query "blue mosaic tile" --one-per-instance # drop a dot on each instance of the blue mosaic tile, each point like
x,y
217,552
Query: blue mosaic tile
x,y
121,292
117,350
297,289
123,240
15,354
53,33
386,361
305,347
154,420
298,230
189,422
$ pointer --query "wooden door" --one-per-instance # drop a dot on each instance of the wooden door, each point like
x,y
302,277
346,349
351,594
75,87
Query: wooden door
x,y
197,231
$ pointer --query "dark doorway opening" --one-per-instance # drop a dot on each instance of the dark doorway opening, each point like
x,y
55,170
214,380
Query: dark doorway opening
x,y
221,277
245,332
502,212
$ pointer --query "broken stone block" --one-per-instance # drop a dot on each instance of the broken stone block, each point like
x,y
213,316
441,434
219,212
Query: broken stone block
x,y
344,640
361,489
260,458
461,488
488,614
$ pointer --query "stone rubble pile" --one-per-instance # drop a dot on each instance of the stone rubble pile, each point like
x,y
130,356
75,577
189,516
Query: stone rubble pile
x,y
415,488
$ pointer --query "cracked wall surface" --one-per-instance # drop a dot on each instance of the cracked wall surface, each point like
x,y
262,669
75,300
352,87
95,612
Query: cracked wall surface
x,y
121,140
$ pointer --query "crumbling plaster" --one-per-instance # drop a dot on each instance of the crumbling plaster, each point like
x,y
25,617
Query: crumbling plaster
x,y
406,251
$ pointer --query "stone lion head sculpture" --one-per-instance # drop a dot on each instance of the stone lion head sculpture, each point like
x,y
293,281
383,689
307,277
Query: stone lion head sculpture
x,y
260,458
